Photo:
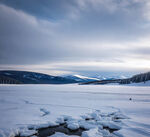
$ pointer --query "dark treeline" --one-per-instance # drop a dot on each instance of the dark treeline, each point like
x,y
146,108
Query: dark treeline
x,y
8,80
136,78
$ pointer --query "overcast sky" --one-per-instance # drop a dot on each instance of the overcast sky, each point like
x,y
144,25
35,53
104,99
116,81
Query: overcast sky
x,y
94,37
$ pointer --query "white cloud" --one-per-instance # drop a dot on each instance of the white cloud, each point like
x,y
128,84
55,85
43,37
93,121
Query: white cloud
x,y
79,41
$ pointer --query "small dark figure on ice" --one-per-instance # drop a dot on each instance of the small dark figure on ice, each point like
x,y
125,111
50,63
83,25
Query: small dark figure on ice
x,y
130,98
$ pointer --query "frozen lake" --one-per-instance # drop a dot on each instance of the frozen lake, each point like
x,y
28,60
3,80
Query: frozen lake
x,y
23,106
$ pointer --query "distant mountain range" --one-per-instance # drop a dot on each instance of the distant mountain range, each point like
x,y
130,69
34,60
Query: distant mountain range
x,y
80,78
25,77
110,77
143,77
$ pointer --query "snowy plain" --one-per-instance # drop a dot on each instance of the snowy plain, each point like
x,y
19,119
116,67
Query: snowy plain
x,y
35,106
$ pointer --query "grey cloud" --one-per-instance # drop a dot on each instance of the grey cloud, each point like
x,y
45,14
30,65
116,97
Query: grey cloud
x,y
71,31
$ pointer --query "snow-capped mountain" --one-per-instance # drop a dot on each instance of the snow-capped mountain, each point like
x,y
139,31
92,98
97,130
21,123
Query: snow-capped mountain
x,y
139,78
25,77
80,78
111,77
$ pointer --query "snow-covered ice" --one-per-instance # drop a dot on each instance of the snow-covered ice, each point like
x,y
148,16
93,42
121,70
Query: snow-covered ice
x,y
92,133
92,107
58,134
73,125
